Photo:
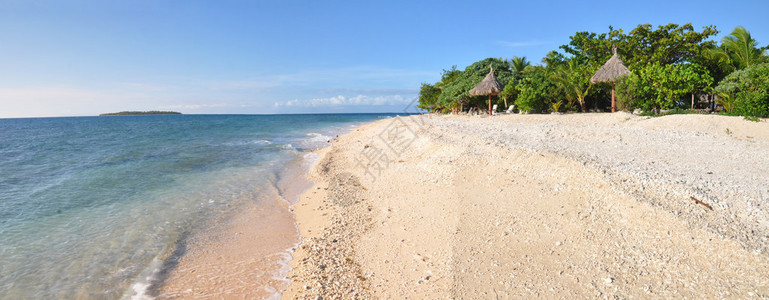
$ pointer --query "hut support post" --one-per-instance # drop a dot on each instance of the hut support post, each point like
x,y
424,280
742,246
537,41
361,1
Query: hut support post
x,y
490,105
613,102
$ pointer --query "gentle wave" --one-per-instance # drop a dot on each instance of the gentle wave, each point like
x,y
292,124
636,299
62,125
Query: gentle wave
x,y
112,199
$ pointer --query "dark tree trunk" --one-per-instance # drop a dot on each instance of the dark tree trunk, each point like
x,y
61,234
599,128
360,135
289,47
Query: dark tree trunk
x,y
692,100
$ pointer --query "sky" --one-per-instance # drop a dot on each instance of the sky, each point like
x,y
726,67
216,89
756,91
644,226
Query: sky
x,y
81,58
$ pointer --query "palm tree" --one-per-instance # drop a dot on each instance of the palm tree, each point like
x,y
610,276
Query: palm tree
x,y
574,80
741,48
519,64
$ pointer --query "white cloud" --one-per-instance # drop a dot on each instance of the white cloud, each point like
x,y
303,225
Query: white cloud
x,y
327,78
359,100
374,91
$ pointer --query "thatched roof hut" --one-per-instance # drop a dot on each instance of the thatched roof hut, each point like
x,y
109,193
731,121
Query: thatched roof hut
x,y
488,86
611,70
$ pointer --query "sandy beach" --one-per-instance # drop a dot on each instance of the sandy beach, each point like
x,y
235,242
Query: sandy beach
x,y
542,206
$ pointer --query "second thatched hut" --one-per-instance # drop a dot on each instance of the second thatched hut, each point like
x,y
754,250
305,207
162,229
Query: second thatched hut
x,y
611,70
488,86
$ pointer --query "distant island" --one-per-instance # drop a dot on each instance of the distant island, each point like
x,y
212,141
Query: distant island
x,y
140,113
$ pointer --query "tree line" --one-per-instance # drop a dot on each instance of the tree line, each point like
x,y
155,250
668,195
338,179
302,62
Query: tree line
x,y
670,66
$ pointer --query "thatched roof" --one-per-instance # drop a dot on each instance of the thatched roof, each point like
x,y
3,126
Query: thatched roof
x,y
613,68
488,86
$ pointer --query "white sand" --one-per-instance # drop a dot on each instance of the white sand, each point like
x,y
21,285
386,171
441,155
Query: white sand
x,y
546,206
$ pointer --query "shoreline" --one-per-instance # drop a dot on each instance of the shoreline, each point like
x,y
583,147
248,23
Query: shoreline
x,y
315,218
522,206
244,253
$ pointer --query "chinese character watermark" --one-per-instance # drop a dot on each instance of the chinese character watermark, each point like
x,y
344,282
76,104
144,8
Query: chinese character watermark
x,y
395,139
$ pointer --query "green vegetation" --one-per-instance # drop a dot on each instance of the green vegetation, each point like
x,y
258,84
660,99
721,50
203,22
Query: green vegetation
x,y
675,111
535,90
748,89
662,86
739,50
573,80
140,113
671,66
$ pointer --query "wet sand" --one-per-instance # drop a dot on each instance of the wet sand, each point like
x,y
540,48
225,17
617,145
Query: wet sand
x,y
243,255
233,260
542,206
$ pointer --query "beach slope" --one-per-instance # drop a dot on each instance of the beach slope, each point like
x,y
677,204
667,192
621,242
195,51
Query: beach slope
x,y
545,206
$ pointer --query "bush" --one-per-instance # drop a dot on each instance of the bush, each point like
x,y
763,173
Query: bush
x,y
556,106
752,104
661,86
535,92
727,101
750,88
626,93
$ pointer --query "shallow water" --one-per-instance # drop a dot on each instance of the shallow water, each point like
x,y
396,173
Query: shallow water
x,y
91,207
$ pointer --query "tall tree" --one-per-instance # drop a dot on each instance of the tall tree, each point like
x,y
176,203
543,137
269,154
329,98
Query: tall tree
x,y
553,59
428,96
661,86
592,48
518,64
450,75
741,48
668,44
717,62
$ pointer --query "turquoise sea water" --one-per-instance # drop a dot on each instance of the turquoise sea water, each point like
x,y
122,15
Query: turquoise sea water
x,y
90,205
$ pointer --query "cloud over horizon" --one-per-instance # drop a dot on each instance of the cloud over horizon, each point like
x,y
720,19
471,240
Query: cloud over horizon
x,y
340,100
330,90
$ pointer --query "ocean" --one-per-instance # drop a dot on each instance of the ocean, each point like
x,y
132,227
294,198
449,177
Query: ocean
x,y
92,207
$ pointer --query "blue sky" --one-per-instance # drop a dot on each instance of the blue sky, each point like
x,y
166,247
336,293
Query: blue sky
x,y
74,58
